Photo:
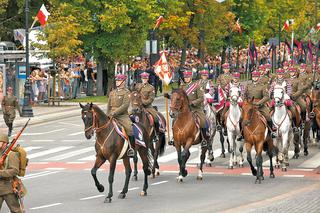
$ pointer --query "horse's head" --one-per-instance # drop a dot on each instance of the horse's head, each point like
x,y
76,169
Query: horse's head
x,y
136,101
278,95
234,94
88,118
178,101
247,112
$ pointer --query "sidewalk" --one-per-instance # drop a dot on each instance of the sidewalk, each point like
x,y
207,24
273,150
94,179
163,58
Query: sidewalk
x,y
45,113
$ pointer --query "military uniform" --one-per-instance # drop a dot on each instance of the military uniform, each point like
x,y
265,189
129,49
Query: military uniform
x,y
259,92
147,92
265,80
9,105
196,98
118,105
223,80
297,92
7,173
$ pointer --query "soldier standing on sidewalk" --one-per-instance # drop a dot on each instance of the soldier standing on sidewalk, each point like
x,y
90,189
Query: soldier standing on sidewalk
x,y
7,173
9,105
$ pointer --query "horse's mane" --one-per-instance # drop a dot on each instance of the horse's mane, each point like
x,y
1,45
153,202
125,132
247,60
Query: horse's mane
x,y
181,91
101,113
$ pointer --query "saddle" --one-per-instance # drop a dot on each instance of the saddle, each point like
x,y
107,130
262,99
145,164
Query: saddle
x,y
120,129
197,121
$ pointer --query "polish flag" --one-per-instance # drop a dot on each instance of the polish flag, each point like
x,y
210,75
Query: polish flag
x,y
239,27
286,26
158,22
43,15
162,69
318,27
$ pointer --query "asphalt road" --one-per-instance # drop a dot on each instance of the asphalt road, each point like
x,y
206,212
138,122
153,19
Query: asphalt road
x,y
59,179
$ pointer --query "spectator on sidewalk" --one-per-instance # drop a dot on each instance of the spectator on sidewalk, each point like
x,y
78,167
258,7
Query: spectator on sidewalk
x,y
76,81
91,79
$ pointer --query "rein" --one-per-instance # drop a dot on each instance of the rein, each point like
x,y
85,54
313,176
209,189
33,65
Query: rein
x,y
94,126
279,125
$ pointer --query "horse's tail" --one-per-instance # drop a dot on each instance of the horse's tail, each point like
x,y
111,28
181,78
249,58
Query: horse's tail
x,y
162,140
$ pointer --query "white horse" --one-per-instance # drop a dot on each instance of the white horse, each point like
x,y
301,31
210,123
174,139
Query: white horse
x,y
233,125
282,122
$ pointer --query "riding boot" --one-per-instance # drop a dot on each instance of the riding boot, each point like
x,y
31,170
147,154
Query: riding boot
x,y
294,127
311,114
204,142
241,136
156,131
271,129
130,151
303,119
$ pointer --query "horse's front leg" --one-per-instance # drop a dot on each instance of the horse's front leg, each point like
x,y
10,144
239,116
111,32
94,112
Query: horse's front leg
x,y
178,149
232,154
113,162
135,161
126,163
249,159
223,155
306,138
144,155
185,154
97,164
284,152
202,159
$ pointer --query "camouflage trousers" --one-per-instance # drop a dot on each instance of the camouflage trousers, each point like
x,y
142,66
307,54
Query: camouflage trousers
x,y
9,117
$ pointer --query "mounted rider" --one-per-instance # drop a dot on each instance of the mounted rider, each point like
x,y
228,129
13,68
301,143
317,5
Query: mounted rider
x,y
285,84
259,93
148,95
206,85
117,108
195,95
224,79
235,82
305,85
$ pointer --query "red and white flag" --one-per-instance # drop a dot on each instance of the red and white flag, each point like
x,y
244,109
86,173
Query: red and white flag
x,y
318,27
158,22
162,69
43,15
287,24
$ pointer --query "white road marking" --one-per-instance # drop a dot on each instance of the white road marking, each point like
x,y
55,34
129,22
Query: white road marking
x,y
246,174
39,162
46,206
296,176
55,168
76,133
71,154
158,183
76,162
39,175
92,197
49,151
267,162
213,173
130,189
173,156
69,124
29,148
89,158
313,162
71,140
42,141
173,172
216,153
34,174
43,133
98,170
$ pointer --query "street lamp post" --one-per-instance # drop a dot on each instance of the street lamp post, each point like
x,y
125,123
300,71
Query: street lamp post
x,y
26,108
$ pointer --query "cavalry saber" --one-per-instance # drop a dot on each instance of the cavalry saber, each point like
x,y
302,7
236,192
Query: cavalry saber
x,y
13,142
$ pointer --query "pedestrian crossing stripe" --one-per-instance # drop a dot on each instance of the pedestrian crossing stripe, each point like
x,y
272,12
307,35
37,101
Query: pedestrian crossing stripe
x,y
87,154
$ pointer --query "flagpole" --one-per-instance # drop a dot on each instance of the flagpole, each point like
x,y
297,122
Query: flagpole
x,y
292,50
248,66
33,23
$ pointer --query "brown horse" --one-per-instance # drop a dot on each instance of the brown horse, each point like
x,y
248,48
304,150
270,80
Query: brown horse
x,y
185,132
316,110
255,134
157,147
110,146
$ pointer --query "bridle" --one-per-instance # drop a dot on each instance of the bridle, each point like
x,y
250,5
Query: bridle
x,y
280,99
94,125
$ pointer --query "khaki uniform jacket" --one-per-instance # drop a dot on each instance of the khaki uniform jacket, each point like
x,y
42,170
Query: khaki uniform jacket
x,y
305,81
10,170
196,98
260,94
264,80
223,80
9,105
147,92
118,103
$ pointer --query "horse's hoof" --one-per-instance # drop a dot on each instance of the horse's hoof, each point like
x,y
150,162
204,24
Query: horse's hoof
x,y
100,188
284,169
262,178
230,167
153,176
179,179
306,152
235,163
223,155
184,173
143,193
286,163
241,165
157,173
271,175
209,165
211,157
122,196
135,178
199,177
107,200
254,172
295,156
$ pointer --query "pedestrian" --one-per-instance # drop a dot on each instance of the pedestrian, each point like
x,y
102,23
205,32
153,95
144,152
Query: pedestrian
x,y
91,79
9,170
9,105
76,81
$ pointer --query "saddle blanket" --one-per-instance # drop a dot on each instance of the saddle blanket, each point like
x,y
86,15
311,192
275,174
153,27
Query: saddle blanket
x,y
197,121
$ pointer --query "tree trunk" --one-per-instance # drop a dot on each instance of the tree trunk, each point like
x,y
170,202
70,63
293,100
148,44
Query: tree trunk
x,y
110,77
100,68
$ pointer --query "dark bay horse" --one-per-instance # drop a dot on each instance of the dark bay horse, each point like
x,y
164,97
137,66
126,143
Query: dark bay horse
x,y
157,147
185,132
110,146
255,134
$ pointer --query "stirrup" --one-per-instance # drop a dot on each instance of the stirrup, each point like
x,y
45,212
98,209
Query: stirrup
x,y
9,133
204,143
130,152
273,134
156,139
295,129
219,127
240,138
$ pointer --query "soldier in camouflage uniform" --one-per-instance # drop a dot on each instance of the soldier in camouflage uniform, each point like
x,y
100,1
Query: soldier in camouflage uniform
x,y
118,105
259,93
305,84
7,173
9,105
147,92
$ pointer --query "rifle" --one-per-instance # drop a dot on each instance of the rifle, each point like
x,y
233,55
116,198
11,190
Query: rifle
x,y
10,147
